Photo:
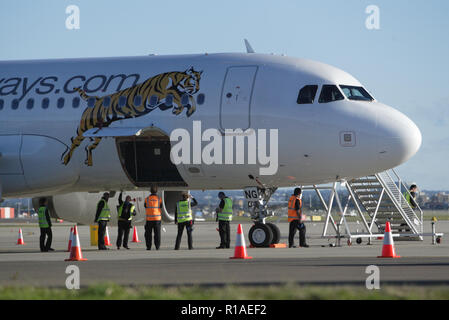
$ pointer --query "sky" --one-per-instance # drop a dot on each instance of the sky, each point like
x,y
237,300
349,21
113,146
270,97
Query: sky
x,y
404,64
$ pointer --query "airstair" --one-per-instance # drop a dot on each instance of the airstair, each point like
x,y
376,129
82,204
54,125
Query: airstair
x,y
377,198
382,197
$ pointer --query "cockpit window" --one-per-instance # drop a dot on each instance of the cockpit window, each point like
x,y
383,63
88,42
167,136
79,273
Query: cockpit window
x,y
307,94
330,93
356,93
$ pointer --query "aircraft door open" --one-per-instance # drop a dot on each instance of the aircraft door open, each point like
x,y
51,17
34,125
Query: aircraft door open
x,y
236,97
144,154
146,160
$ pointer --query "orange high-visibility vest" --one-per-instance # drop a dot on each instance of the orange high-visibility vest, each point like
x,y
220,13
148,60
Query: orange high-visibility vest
x,y
153,210
292,215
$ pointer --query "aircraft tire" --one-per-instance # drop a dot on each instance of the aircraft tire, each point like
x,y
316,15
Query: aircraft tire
x,y
260,235
276,233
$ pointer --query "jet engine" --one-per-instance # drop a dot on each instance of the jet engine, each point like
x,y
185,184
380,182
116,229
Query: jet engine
x,y
80,207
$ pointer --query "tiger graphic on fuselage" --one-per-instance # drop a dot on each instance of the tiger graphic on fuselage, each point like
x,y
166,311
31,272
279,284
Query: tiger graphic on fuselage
x,y
163,91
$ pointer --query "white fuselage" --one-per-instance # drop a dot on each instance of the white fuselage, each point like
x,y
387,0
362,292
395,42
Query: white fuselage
x,y
265,89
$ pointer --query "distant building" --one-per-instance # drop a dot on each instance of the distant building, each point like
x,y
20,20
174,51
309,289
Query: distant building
x,y
442,197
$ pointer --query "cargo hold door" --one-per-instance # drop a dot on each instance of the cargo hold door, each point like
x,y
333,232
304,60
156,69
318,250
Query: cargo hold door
x,y
144,154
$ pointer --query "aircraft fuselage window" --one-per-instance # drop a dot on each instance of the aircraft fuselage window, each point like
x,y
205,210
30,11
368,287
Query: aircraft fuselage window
x,y
76,102
1,104
137,100
200,98
154,100
121,101
15,104
106,101
30,103
45,103
356,93
307,94
61,103
185,99
169,100
91,102
330,93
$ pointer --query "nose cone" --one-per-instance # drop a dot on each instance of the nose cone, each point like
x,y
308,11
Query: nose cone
x,y
399,138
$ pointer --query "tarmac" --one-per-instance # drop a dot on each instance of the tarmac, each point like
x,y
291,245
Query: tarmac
x,y
421,263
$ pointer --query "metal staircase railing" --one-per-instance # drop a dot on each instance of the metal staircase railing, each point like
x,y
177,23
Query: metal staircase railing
x,y
414,221
382,198
378,199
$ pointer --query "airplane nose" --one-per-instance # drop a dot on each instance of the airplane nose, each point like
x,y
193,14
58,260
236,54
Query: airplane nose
x,y
399,138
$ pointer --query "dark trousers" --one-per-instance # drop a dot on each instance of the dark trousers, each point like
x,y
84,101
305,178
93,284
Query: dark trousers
x,y
101,232
225,234
123,232
188,227
296,225
151,226
45,232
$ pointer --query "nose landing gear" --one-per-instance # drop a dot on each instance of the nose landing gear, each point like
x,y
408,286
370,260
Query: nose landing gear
x,y
261,234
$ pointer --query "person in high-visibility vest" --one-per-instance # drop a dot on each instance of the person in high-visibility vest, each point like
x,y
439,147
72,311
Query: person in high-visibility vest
x,y
45,226
296,219
224,217
411,196
153,210
125,210
184,218
102,216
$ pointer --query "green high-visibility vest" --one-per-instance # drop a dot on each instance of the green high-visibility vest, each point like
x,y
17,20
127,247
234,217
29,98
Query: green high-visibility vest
x,y
184,211
408,198
105,213
43,223
226,213
120,210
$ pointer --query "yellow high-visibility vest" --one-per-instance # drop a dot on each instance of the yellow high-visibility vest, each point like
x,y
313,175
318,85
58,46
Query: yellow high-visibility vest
x,y
105,213
184,211
43,223
226,213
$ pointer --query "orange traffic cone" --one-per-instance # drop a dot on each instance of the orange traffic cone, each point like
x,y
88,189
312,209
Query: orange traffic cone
x,y
240,247
107,242
70,240
20,239
75,250
135,235
388,250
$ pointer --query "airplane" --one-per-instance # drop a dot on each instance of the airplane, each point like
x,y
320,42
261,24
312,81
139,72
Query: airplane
x,y
71,129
